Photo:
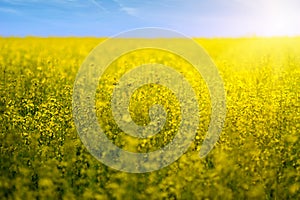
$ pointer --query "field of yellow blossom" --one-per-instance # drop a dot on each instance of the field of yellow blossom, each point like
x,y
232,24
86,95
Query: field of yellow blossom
x,y
257,155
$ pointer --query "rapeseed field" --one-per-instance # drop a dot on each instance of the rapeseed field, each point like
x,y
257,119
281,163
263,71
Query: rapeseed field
x,y
256,156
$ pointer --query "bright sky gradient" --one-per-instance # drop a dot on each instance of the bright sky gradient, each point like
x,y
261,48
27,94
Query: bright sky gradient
x,y
201,18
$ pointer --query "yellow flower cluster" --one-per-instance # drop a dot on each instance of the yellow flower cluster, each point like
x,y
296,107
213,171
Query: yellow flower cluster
x,y
256,157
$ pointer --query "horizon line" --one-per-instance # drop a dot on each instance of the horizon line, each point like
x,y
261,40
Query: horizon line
x,y
105,37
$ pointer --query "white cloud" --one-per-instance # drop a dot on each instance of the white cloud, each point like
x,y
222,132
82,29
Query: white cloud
x,y
9,10
97,4
130,11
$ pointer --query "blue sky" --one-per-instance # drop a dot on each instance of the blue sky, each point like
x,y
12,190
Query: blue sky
x,y
202,18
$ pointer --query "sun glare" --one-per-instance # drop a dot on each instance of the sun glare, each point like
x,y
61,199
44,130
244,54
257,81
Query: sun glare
x,y
278,20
